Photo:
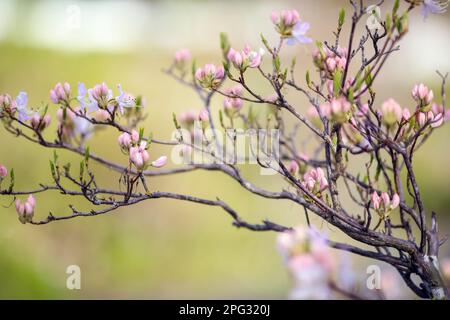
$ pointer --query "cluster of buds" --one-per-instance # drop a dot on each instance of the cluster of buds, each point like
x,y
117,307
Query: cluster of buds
x,y
181,57
39,123
285,21
10,106
246,58
133,145
392,113
101,94
384,204
210,75
434,118
308,260
337,110
7,104
60,93
127,140
423,96
26,210
315,181
233,103
329,61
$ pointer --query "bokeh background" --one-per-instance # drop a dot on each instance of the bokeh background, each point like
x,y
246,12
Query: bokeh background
x,y
163,248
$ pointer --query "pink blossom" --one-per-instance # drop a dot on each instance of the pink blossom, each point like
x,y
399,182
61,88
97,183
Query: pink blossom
x,y
245,58
7,104
285,21
384,203
337,108
203,115
3,172
422,94
60,93
293,167
315,181
182,56
124,140
26,210
187,117
160,162
39,123
102,115
391,112
210,75
139,156
376,200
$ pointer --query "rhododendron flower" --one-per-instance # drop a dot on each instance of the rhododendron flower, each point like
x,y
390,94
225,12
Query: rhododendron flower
x,y
423,95
181,56
39,123
125,100
391,112
384,204
210,75
314,180
26,210
299,34
61,93
139,156
3,172
246,58
285,21
85,99
433,6
160,162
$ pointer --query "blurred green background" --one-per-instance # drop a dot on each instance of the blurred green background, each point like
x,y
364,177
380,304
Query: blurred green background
x,y
163,248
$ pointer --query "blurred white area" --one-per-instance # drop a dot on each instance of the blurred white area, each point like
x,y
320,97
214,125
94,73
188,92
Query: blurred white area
x,y
124,26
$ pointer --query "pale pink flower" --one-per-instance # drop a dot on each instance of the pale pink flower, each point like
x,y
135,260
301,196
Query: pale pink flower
x,y
102,115
203,115
124,140
376,200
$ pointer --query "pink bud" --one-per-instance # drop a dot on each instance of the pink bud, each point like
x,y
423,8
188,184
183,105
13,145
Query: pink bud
x,y
275,17
182,55
124,140
421,118
134,136
160,162
102,115
20,207
375,200
32,201
395,201
203,115
293,167
386,199
406,114
3,171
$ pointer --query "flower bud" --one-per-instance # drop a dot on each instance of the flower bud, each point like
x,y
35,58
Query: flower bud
x,y
391,112
210,75
26,210
160,162
181,56
60,93
423,95
39,123
3,172
293,167
139,156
